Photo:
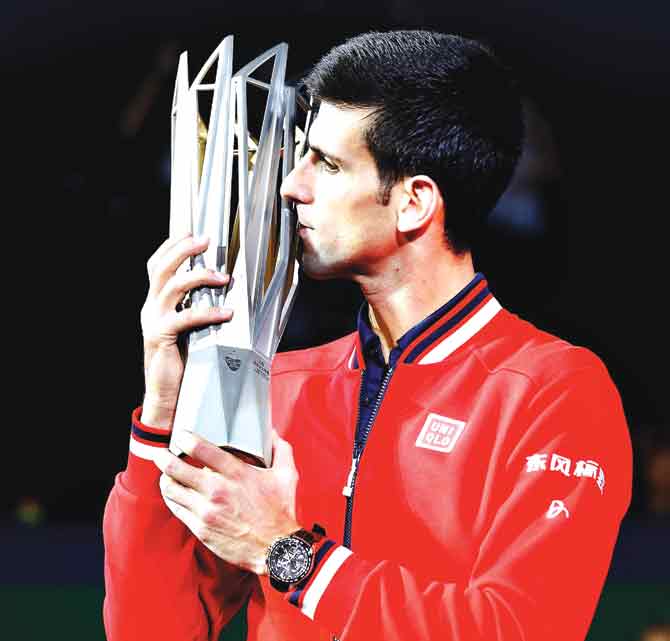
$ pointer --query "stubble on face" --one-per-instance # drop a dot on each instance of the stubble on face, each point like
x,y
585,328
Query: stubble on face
x,y
349,227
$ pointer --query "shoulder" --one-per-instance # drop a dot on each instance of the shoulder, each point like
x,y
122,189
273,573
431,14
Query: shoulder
x,y
330,356
568,397
519,347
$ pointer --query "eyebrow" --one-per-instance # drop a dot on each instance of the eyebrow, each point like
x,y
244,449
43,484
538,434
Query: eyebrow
x,y
321,152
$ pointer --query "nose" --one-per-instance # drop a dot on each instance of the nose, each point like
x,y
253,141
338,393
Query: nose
x,y
295,186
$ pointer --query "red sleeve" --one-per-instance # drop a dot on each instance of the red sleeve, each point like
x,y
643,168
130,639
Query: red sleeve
x,y
544,557
160,581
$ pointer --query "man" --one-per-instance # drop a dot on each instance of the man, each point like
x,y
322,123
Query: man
x,y
457,473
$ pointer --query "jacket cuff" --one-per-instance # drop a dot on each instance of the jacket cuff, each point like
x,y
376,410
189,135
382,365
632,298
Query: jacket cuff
x,y
334,585
141,475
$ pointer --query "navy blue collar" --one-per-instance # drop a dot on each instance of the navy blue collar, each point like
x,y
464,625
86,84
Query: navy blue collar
x,y
428,333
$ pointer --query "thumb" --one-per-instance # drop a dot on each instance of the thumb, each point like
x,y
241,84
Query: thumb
x,y
282,452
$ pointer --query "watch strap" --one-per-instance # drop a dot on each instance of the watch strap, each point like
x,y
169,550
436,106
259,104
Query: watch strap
x,y
309,537
278,585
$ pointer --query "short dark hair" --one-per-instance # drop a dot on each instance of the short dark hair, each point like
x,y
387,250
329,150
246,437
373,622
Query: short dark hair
x,y
444,106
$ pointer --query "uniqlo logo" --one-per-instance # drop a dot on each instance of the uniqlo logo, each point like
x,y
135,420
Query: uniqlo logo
x,y
440,433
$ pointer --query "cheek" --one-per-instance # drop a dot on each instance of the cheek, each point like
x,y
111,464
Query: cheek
x,y
371,219
350,215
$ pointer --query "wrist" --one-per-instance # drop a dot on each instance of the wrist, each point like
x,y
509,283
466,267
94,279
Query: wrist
x,y
259,564
291,559
157,413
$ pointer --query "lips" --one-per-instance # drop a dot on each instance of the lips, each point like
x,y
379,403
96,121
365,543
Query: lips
x,y
301,222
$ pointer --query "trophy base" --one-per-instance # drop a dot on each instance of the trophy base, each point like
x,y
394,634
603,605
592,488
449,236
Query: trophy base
x,y
225,399
250,459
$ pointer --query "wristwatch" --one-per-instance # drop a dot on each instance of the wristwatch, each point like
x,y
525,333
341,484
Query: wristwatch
x,y
290,559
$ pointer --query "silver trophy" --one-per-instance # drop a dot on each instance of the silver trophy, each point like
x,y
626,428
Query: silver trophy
x,y
225,392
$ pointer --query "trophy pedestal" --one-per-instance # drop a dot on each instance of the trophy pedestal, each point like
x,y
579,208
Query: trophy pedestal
x,y
228,400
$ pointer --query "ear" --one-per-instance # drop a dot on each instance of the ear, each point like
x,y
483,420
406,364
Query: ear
x,y
420,202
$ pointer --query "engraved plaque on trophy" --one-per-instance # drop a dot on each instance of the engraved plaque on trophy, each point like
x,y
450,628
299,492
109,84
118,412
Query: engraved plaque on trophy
x,y
225,185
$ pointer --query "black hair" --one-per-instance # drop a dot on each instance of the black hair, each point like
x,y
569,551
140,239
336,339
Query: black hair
x,y
443,105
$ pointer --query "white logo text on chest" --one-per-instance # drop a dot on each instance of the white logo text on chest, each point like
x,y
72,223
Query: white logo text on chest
x,y
440,433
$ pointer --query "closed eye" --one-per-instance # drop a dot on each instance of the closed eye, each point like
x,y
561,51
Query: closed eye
x,y
321,158
329,166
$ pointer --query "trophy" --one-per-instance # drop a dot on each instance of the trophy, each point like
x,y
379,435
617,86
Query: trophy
x,y
225,391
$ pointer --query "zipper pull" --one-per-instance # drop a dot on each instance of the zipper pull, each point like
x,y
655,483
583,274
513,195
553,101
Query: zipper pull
x,y
348,489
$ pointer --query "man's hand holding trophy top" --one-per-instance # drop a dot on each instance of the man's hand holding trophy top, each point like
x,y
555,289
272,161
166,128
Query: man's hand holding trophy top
x,y
221,287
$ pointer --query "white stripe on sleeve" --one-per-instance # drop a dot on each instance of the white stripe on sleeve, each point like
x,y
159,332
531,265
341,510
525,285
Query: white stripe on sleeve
x,y
143,450
322,580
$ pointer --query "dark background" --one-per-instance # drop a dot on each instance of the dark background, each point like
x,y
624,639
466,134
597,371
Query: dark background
x,y
86,115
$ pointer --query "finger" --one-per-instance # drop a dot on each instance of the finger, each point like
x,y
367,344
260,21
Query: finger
x,y
175,323
178,470
179,284
175,508
167,264
282,452
189,519
166,245
210,455
184,496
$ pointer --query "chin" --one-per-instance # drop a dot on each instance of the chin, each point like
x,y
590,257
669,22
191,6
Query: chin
x,y
317,269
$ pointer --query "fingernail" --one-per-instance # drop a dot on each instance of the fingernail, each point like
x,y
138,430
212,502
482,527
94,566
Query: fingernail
x,y
198,240
220,276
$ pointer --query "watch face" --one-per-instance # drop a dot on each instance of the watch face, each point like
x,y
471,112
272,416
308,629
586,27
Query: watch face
x,y
290,560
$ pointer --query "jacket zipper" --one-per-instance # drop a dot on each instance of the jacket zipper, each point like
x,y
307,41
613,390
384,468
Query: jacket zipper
x,y
359,445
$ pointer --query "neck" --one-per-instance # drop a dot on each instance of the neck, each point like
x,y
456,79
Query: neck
x,y
402,295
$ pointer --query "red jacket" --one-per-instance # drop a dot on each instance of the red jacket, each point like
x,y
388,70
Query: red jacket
x,y
487,502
